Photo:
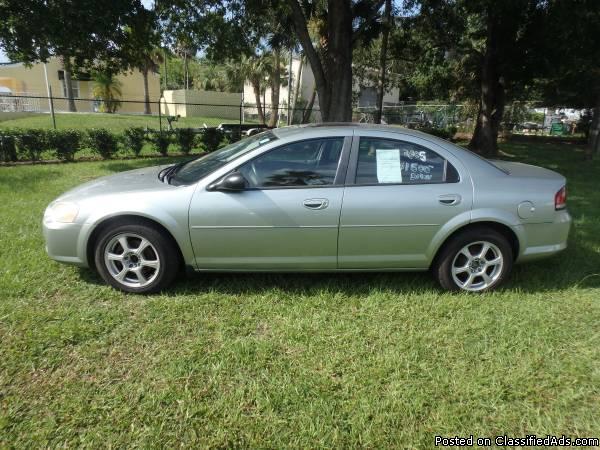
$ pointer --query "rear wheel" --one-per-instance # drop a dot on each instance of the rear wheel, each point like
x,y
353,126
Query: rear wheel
x,y
136,258
476,260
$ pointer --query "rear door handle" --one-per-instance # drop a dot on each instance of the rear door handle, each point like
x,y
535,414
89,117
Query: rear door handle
x,y
316,203
450,199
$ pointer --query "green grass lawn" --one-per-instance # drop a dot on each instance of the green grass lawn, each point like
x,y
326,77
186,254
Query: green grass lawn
x,y
114,122
274,361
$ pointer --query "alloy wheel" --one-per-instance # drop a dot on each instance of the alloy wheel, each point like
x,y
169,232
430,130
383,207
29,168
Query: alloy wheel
x,y
477,266
131,260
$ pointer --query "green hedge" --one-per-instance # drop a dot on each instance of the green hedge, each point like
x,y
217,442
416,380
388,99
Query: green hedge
x,y
35,144
102,142
64,143
134,139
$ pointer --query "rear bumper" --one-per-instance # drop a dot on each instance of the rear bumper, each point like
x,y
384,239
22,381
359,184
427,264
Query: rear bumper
x,y
62,242
541,240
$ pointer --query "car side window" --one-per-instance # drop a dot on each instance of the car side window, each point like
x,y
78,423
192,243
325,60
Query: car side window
x,y
390,161
311,162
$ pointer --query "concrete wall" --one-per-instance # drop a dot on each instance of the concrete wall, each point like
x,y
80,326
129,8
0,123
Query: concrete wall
x,y
192,103
31,81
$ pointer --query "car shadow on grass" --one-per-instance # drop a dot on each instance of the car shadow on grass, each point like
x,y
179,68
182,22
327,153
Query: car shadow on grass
x,y
577,266
293,283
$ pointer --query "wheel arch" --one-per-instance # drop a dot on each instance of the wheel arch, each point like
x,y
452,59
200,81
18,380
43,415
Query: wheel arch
x,y
126,219
499,227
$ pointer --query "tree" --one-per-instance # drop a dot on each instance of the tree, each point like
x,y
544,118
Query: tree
x,y
477,49
78,32
276,77
256,70
108,89
570,63
383,59
140,49
345,23
233,27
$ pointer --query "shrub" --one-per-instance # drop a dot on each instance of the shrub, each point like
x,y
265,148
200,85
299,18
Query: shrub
x,y
65,143
444,133
161,141
211,138
102,141
134,138
8,149
185,139
31,143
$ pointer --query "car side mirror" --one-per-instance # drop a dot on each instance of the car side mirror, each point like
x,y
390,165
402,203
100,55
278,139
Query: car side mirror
x,y
233,182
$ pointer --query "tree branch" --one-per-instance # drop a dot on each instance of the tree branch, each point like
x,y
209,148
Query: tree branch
x,y
299,21
361,29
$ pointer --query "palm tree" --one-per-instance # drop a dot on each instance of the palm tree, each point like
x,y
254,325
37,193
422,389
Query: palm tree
x,y
107,88
256,70
277,77
150,62
234,77
212,80
186,51
140,49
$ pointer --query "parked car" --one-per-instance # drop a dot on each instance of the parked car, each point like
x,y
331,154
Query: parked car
x,y
315,198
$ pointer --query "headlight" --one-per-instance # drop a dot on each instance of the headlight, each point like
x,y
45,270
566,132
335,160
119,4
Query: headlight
x,y
64,212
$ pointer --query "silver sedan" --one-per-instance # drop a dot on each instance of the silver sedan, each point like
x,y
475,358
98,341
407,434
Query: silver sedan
x,y
315,198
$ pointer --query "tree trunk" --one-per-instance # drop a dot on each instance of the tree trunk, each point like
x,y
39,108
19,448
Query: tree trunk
x,y
491,102
309,106
185,71
339,67
333,75
146,92
298,81
275,85
593,146
66,61
261,114
383,60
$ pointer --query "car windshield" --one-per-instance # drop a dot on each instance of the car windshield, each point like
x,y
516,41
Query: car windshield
x,y
197,169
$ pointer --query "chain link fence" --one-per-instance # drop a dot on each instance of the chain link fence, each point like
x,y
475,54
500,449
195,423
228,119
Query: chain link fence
x,y
34,111
25,110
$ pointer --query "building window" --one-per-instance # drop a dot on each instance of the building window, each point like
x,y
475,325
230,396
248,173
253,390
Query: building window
x,y
74,82
75,85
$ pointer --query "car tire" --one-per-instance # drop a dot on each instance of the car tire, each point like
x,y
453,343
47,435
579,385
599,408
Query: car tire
x,y
475,260
136,258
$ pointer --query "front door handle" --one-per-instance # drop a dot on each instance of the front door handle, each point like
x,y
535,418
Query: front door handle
x,y
316,203
450,199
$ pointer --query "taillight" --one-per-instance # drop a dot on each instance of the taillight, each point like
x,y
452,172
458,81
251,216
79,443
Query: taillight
x,y
560,198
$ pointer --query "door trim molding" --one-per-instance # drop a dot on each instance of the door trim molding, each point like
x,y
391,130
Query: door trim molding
x,y
220,227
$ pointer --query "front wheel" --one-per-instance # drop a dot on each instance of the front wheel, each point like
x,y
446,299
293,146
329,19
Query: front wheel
x,y
476,260
136,258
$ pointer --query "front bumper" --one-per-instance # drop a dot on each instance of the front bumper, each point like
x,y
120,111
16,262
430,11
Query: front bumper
x,y
545,239
63,242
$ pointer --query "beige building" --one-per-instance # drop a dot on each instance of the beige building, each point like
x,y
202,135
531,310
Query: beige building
x,y
18,79
197,103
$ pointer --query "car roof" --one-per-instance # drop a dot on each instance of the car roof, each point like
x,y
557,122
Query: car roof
x,y
292,130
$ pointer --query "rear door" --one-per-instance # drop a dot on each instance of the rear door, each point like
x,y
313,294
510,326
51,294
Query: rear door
x,y
400,192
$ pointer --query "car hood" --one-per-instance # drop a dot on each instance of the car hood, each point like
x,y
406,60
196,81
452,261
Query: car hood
x,y
138,180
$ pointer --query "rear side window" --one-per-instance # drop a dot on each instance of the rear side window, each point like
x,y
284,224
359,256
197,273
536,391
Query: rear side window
x,y
387,161
305,163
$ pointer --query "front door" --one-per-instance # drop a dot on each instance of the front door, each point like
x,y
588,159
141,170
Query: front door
x,y
287,218
401,191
